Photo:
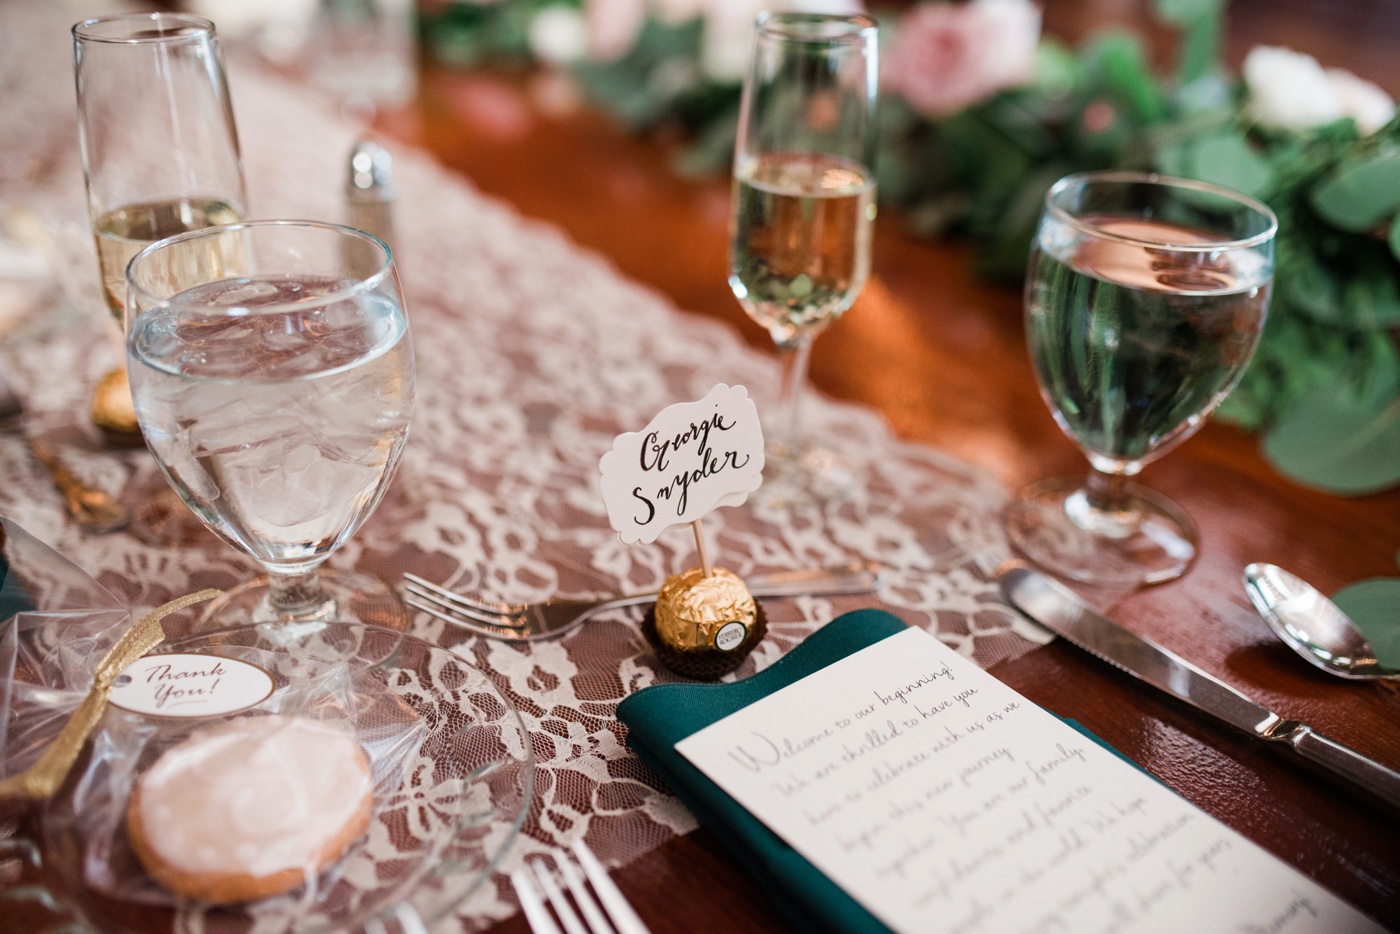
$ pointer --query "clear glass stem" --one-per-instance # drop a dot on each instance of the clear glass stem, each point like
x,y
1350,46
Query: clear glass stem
x,y
795,358
1107,492
1105,505
298,596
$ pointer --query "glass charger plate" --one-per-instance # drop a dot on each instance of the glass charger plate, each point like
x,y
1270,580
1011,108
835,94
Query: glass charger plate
x,y
453,770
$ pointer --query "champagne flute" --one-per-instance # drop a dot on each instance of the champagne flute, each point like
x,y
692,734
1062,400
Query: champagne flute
x,y
160,156
803,211
272,372
1145,299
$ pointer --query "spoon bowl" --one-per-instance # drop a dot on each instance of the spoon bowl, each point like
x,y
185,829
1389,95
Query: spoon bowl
x,y
1312,625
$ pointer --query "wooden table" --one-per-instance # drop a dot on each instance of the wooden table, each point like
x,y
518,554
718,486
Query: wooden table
x,y
943,357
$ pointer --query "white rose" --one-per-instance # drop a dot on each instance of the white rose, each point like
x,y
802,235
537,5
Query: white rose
x,y
724,55
558,35
1366,103
729,30
1291,91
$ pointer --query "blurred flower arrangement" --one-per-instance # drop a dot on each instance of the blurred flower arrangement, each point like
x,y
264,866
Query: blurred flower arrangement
x,y
981,114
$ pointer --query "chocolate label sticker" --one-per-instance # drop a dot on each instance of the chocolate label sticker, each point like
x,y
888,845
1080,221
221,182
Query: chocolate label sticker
x,y
730,636
190,685
693,457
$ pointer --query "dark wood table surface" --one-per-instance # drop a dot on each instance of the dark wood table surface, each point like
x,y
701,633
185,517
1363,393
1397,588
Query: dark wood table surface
x,y
942,356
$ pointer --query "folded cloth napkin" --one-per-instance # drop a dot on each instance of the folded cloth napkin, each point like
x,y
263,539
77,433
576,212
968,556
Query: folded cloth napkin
x,y
658,717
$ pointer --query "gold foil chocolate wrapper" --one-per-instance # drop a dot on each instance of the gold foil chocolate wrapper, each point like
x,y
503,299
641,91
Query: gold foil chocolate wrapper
x,y
114,413
695,612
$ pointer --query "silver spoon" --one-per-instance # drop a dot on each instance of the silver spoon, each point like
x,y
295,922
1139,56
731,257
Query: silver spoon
x,y
1312,625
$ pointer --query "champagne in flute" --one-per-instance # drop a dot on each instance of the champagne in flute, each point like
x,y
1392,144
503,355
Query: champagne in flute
x,y
123,232
802,232
802,213
160,156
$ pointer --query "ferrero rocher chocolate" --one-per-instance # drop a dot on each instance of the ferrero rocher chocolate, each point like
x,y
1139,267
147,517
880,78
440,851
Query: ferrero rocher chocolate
x,y
692,610
705,626
113,412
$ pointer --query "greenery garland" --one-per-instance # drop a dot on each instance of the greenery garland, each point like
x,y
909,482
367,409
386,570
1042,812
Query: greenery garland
x,y
1324,386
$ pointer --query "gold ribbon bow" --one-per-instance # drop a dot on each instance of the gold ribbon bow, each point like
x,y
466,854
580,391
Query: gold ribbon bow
x,y
45,776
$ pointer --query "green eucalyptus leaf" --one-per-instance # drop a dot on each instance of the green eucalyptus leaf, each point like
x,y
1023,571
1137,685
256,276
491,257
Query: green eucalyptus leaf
x,y
1303,284
1359,193
1395,237
1123,68
1209,95
1200,41
1058,70
1174,159
1371,303
1374,605
1228,160
1340,441
1243,409
1185,11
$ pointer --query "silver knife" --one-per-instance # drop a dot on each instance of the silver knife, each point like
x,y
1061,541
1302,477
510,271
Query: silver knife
x,y
1061,610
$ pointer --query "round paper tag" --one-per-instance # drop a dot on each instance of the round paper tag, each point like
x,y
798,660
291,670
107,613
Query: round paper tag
x,y
730,636
190,686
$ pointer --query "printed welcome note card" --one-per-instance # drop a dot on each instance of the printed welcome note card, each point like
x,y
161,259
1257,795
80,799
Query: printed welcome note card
x,y
943,801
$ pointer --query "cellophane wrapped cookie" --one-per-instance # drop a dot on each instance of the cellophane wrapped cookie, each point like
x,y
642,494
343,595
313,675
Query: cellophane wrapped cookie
x,y
341,769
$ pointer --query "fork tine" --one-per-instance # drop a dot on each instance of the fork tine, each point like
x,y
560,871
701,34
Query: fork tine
x,y
531,902
562,909
513,620
493,630
578,888
618,908
437,591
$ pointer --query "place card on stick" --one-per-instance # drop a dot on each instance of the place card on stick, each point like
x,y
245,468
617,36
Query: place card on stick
x,y
692,458
940,799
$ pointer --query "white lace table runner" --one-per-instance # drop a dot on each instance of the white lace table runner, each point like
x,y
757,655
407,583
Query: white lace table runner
x,y
533,354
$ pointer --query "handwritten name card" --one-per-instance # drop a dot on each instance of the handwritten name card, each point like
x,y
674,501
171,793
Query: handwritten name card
x,y
941,799
691,458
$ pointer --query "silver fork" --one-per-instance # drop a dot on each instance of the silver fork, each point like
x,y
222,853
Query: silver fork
x,y
608,914
545,619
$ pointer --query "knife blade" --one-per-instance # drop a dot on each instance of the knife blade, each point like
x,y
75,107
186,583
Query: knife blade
x,y
1061,610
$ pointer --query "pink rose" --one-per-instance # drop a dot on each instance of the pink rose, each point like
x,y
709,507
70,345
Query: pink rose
x,y
613,26
950,56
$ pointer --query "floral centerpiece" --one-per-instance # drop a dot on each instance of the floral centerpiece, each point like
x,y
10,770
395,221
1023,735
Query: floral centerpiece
x,y
981,114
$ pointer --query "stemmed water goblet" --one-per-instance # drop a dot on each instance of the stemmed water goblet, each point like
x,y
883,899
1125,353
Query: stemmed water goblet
x,y
272,372
1145,299
802,213
160,157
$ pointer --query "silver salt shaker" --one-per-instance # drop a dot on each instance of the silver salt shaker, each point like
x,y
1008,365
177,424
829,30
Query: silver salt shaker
x,y
369,193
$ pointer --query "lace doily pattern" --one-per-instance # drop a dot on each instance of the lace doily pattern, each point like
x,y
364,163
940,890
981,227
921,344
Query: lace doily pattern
x,y
533,354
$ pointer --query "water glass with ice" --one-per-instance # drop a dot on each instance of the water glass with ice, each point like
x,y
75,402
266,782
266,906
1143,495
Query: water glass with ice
x,y
272,370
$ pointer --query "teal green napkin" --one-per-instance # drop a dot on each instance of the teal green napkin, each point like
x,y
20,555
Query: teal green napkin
x,y
658,717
